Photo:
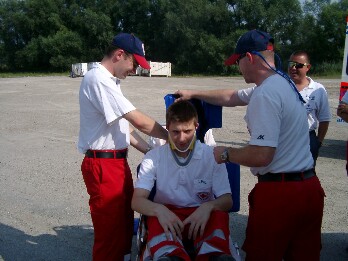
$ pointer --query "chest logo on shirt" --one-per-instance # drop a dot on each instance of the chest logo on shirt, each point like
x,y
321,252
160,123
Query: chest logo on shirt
x,y
203,196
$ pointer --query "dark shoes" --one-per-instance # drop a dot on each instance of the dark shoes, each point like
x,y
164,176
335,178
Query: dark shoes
x,y
170,258
222,258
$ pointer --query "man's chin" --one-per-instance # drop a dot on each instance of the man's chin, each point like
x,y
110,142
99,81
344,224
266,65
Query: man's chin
x,y
182,147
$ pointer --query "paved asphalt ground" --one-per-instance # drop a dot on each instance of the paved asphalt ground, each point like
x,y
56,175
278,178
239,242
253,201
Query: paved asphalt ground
x,y
44,212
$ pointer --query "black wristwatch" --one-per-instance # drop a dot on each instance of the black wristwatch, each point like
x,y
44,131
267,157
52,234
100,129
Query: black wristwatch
x,y
224,156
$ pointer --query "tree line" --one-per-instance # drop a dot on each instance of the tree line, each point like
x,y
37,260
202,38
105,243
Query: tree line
x,y
196,36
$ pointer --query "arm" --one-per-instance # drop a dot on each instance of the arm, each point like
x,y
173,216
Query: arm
x,y
199,218
170,223
146,124
250,155
342,111
322,130
138,142
227,97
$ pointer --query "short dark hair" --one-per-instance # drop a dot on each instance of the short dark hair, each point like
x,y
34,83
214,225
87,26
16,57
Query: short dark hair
x,y
181,111
301,53
110,49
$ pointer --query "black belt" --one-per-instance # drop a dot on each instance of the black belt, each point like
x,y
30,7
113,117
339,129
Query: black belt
x,y
115,154
290,176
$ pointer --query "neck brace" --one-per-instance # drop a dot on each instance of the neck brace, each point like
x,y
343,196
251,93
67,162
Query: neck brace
x,y
189,147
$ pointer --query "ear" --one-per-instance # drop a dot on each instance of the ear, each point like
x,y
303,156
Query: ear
x,y
250,57
309,67
117,55
196,125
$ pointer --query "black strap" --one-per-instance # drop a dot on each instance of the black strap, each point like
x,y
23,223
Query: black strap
x,y
290,176
122,154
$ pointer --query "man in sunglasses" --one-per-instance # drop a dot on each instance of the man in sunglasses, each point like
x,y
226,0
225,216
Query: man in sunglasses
x,y
286,205
104,138
315,96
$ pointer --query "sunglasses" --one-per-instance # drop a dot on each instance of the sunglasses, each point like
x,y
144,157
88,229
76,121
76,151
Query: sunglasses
x,y
296,64
240,58
135,63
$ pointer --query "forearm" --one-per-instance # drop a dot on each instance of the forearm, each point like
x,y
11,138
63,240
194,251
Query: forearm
x,y
251,155
322,130
138,142
147,125
146,207
222,203
224,97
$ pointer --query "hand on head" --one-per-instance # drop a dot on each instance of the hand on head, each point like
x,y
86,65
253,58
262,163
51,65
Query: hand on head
x,y
183,95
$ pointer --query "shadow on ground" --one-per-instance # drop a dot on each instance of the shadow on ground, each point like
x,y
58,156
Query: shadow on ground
x,y
65,243
334,149
75,243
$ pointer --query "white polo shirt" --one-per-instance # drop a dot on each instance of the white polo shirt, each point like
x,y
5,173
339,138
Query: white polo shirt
x,y
102,106
317,104
276,118
183,186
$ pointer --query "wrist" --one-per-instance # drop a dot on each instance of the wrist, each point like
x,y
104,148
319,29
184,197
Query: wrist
x,y
225,156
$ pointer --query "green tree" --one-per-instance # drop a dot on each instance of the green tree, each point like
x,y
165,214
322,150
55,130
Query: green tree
x,y
280,18
323,30
196,36
190,34
13,35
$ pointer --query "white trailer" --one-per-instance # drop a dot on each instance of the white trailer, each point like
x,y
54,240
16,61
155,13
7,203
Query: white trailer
x,y
157,69
92,65
78,69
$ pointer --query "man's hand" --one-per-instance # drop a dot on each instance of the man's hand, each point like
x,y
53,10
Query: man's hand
x,y
184,95
198,220
342,108
171,224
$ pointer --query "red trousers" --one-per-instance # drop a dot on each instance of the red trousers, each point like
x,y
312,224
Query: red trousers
x,y
110,186
285,221
216,236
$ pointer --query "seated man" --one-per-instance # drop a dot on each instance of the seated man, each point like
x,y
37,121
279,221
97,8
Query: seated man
x,y
192,197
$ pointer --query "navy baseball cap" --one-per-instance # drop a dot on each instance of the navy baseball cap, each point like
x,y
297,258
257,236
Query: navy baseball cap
x,y
133,45
253,40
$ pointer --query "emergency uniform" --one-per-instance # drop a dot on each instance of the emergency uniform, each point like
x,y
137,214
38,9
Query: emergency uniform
x,y
318,110
104,138
345,100
184,186
286,205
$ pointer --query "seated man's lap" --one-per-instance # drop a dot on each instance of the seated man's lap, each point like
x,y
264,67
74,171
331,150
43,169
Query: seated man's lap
x,y
216,233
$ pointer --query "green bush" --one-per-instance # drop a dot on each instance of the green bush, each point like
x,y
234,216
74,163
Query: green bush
x,y
333,69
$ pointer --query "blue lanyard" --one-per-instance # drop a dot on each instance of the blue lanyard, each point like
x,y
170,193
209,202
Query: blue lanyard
x,y
284,75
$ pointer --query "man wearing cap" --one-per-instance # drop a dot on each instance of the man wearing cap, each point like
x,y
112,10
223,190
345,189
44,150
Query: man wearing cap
x,y
286,205
315,95
104,138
